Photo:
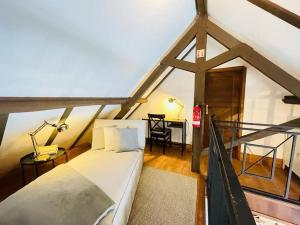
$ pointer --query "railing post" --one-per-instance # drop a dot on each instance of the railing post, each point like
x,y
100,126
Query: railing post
x,y
288,183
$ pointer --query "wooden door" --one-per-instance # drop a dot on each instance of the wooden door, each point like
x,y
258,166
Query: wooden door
x,y
224,97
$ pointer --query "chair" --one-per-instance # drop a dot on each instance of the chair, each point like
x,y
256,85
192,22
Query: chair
x,y
158,130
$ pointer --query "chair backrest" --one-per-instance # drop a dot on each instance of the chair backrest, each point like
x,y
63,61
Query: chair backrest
x,y
156,122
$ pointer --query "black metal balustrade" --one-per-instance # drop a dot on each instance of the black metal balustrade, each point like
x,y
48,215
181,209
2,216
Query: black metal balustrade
x,y
227,203
260,131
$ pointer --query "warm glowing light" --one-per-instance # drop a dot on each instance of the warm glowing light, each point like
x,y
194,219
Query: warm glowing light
x,y
174,105
171,106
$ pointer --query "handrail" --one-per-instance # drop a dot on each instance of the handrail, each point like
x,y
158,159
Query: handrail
x,y
227,203
30,104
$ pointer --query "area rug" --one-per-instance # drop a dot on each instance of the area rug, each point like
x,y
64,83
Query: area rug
x,y
164,198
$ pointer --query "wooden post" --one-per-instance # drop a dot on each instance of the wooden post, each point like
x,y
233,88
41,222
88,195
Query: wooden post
x,y
199,96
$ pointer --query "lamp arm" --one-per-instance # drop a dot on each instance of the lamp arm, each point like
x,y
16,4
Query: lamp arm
x,y
39,128
34,143
181,108
32,135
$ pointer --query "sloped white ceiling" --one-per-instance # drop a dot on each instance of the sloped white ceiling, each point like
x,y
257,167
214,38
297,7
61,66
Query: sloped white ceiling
x,y
84,48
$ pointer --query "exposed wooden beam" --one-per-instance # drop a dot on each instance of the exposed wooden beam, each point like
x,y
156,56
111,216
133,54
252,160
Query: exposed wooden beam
x,y
201,7
273,72
162,80
221,35
177,48
278,11
62,119
199,92
88,126
3,122
226,56
142,100
257,60
30,104
181,64
291,100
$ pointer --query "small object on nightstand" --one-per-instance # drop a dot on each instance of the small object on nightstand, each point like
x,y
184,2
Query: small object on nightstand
x,y
42,158
47,150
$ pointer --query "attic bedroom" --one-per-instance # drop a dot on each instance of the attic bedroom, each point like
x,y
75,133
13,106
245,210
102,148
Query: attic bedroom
x,y
147,112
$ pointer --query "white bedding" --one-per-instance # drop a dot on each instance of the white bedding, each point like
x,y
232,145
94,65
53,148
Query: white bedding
x,y
117,174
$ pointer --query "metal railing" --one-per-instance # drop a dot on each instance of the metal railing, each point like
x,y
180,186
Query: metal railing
x,y
227,203
260,131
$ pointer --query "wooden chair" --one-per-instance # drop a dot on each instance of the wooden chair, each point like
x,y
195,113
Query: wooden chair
x,y
158,130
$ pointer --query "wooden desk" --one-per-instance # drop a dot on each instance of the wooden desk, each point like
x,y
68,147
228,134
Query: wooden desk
x,y
175,123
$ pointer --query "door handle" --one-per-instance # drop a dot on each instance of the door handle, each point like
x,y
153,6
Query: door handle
x,y
206,109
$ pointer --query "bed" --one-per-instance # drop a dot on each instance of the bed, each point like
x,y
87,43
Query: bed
x,y
115,173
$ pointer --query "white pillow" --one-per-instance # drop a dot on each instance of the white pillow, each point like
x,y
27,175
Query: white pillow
x,y
98,138
139,124
128,138
111,139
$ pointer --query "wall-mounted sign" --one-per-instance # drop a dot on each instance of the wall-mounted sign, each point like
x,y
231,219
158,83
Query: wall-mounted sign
x,y
200,53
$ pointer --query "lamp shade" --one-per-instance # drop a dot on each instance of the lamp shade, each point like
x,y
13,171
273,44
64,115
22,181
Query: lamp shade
x,y
171,100
62,127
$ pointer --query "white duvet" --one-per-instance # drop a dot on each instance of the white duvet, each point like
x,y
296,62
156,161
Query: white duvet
x,y
117,174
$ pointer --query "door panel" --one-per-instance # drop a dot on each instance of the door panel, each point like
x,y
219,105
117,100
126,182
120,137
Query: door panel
x,y
224,95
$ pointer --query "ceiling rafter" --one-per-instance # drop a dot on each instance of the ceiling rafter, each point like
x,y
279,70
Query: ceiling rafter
x,y
278,11
181,64
227,56
201,7
30,104
291,100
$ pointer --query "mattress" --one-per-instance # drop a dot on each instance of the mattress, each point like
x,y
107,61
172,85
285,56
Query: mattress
x,y
117,174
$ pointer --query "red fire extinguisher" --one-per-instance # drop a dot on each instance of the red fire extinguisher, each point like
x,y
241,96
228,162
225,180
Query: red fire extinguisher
x,y
196,116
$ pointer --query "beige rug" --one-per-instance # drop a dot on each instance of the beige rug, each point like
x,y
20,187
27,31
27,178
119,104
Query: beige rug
x,y
164,198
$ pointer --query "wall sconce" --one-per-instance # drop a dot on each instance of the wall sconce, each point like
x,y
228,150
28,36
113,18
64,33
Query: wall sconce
x,y
174,101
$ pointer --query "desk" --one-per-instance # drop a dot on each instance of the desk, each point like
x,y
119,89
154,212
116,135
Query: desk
x,y
28,160
175,123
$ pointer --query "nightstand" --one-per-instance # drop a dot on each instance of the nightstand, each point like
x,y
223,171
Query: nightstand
x,y
28,160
